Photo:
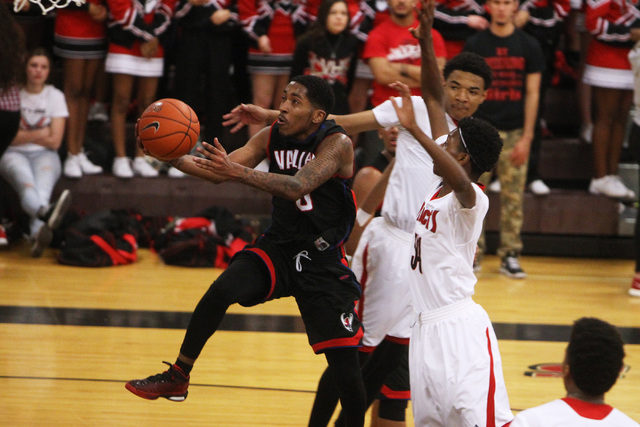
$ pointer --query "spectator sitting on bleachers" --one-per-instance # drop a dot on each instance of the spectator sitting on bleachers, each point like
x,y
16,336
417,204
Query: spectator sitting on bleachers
x,y
31,164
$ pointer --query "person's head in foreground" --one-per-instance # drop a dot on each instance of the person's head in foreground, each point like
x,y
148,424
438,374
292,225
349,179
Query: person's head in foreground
x,y
593,359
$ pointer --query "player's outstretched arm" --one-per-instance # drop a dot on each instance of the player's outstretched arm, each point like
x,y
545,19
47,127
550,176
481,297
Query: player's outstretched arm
x,y
362,121
368,186
248,114
430,78
249,155
367,207
450,170
334,156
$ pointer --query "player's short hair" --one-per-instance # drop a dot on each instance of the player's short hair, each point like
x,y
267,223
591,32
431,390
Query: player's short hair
x,y
483,143
594,355
319,92
469,62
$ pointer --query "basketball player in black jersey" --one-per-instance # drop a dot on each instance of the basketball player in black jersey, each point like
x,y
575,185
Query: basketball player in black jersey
x,y
300,254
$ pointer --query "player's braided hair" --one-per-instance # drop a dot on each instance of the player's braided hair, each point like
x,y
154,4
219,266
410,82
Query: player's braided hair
x,y
319,92
471,63
483,143
594,354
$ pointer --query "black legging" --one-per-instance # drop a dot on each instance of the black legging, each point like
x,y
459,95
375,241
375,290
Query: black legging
x,y
376,368
245,281
384,360
327,396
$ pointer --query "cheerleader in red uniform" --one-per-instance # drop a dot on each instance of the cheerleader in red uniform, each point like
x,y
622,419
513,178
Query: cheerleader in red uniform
x,y
609,73
273,25
135,56
80,39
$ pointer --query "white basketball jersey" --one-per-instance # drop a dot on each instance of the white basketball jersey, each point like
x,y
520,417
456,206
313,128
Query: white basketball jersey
x,y
445,239
412,174
572,412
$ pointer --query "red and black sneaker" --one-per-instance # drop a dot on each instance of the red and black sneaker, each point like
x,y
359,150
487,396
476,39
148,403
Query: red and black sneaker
x,y
172,384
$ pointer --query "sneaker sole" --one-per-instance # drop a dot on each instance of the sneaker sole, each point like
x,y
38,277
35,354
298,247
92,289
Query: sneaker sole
x,y
627,197
634,292
72,175
512,275
96,172
148,396
63,204
43,239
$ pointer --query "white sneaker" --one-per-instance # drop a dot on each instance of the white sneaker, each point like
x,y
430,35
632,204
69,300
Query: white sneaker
x,y
122,167
98,112
495,186
609,186
586,132
88,167
539,188
72,168
175,173
142,168
618,183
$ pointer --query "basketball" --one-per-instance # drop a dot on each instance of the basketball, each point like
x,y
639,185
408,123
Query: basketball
x,y
168,129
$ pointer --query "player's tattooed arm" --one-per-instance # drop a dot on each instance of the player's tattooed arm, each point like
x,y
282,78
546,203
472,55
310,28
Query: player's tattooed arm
x,y
333,157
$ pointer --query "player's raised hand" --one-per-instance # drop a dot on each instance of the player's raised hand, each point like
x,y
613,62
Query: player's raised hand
x,y
245,114
215,159
425,16
406,116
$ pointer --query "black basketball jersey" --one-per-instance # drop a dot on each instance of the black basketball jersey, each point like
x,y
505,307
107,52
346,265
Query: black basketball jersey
x,y
324,218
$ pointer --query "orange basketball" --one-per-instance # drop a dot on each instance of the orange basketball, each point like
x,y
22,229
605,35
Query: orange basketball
x,y
168,129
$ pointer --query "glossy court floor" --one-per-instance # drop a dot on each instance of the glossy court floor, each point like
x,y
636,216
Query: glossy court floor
x,y
70,337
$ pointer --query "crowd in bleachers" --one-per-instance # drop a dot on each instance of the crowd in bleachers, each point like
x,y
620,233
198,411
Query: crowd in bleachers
x,y
213,54
115,57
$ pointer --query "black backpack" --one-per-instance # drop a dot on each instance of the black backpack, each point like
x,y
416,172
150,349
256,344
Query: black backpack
x,y
209,239
105,238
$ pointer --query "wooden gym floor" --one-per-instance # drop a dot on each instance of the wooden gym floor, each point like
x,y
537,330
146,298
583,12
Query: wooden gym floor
x,y
71,337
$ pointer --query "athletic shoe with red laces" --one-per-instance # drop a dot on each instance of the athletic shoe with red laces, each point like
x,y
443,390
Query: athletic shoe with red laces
x,y
172,384
634,290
